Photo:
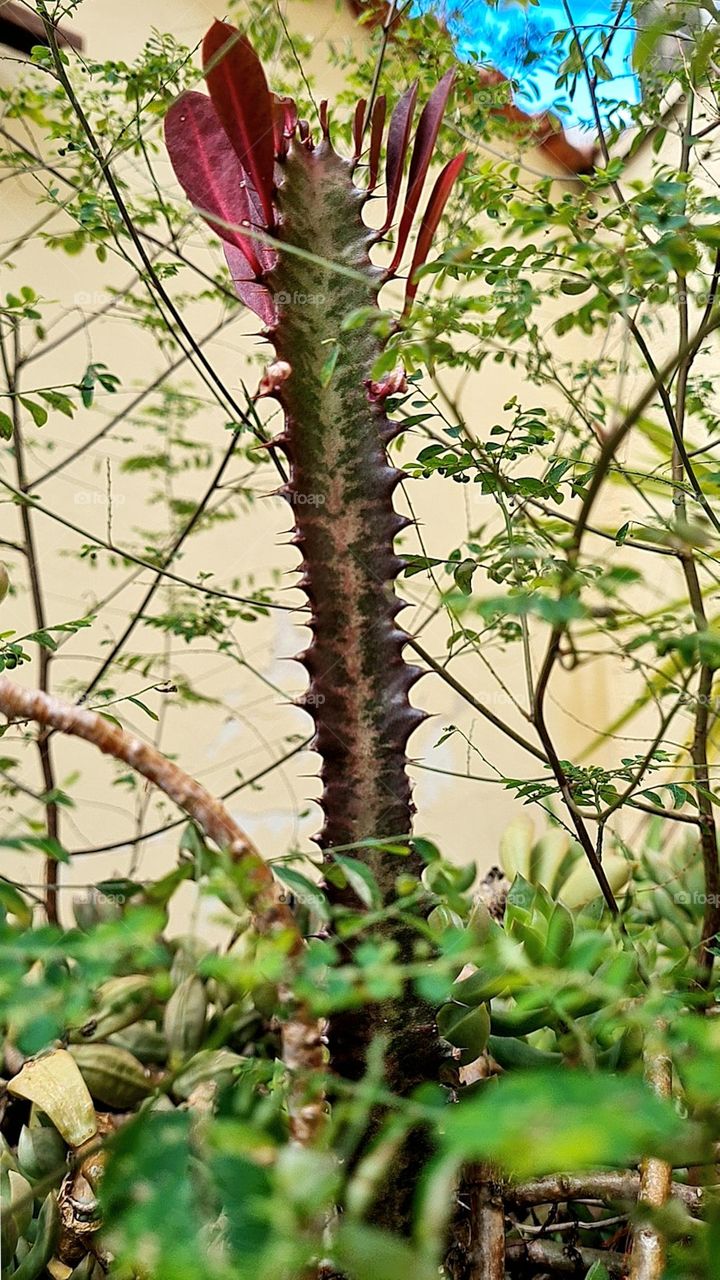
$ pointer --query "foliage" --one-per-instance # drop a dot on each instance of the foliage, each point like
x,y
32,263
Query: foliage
x,y
587,544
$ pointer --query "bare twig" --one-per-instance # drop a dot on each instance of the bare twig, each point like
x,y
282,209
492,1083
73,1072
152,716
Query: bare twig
x,y
562,1259
486,1255
609,1187
10,363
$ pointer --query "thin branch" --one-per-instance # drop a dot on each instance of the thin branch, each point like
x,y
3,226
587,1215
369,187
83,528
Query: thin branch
x,y
28,500
139,613
44,747
450,680
562,1259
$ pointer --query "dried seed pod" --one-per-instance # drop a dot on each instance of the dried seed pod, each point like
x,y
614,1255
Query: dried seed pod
x,y
54,1083
112,1075
59,1270
121,1002
143,1039
185,1017
218,1065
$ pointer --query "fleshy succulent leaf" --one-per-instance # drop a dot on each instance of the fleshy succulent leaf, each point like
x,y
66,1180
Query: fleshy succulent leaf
x,y
433,213
209,171
284,122
397,145
255,295
239,90
324,118
423,148
376,137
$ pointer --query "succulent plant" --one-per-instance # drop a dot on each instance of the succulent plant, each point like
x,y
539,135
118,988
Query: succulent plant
x,y
557,862
146,1044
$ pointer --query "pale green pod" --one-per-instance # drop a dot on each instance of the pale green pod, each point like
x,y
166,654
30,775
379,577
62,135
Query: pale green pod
x,y
121,1001
143,1039
218,1065
547,855
112,1075
185,1017
54,1083
582,886
21,1200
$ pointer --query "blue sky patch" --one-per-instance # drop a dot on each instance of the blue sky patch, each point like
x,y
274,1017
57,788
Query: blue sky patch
x,y
517,39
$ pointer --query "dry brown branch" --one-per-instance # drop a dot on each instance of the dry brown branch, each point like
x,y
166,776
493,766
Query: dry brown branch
x,y
302,1048
611,1188
487,1261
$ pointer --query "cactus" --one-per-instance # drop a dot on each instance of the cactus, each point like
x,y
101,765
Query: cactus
x,y
290,217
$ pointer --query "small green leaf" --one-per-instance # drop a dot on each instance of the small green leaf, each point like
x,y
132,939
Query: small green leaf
x,y
38,414
574,287
148,711
14,903
535,1122
369,1254
43,844
6,426
328,368
360,879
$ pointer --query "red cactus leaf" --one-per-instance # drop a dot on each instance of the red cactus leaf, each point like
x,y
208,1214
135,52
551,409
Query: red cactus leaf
x,y
376,135
397,145
429,225
254,295
358,123
242,100
423,147
324,121
284,122
210,173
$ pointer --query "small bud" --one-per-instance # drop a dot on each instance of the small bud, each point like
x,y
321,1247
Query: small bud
x,y
274,376
392,384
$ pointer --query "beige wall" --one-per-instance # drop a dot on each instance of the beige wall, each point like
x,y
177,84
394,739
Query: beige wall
x,y
247,724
